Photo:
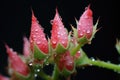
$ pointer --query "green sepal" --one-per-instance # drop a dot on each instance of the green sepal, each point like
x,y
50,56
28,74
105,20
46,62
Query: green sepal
x,y
60,48
83,40
38,54
75,34
18,76
94,30
65,72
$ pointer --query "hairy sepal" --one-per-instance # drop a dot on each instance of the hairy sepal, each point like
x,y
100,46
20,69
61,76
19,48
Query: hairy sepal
x,y
60,48
38,54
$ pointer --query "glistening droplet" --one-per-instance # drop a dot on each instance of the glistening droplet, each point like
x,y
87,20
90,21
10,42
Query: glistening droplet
x,y
88,31
92,59
38,42
38,70
36,30
54,42
30,64
35,75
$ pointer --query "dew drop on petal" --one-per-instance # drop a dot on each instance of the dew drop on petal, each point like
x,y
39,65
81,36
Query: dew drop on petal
x,y
44,39
79,29
62,34
36,33
63,42
34,36
81,34
88,31
79,24
58,36
54,42
66,38
36,30
38,42
60,27
31,41
86,17
58,33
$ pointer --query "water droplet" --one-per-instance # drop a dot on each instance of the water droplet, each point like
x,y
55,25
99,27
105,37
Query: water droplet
x,y
62,34
31,41
85,16
84,30
38,70
63,42
38,42
93,59
54,42
41,35
88,24
108,62
70,62
51,21
55,55
35,75
88,31
79,29
47,63
66,38
30,64
36,30
60,27
58,33
78,52
118,72
81,34
58,36
36,33
79,24
44,39
47,56
34,36
11,49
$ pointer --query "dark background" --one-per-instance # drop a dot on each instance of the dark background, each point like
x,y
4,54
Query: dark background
x,y
15,22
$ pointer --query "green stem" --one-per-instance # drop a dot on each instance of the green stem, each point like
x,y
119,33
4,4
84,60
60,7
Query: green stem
x,y
74,50
56,74
106,65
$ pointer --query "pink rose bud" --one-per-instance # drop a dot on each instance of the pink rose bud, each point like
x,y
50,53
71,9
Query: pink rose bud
x,y
59,33
3,77
85,24
16,62
66,61
37,37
